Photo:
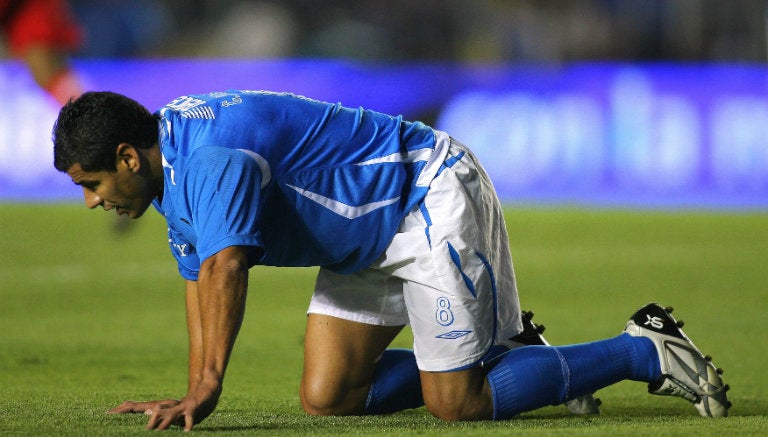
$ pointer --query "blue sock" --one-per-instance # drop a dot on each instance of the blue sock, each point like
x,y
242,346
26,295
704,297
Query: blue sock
x,y
396,383
532,377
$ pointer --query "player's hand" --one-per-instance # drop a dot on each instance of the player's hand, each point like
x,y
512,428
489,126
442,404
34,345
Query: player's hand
x,y
128,407
195,407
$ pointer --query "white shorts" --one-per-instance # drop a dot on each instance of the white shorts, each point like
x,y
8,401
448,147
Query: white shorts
x,y
447,272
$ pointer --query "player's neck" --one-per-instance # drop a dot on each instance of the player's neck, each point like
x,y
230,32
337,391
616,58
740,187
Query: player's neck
x,y
155,160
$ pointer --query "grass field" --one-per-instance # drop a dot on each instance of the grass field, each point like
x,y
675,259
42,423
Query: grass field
x,y
90,318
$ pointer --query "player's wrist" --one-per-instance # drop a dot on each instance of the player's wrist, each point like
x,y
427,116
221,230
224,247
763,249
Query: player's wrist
x,y
209,384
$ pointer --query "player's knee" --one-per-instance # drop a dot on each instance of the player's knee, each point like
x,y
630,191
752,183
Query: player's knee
x,y
316,407
320,400
316,401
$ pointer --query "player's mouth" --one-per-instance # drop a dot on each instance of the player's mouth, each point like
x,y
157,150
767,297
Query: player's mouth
x,y
119,209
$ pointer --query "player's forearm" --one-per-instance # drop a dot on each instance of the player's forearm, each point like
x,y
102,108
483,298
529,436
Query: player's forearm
x,y
195,333
221,291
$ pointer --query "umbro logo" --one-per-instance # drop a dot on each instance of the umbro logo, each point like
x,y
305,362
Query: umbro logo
x,y
453,335
655,322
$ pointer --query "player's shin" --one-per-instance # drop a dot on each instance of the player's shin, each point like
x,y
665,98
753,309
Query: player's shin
x,y
532,377
396,384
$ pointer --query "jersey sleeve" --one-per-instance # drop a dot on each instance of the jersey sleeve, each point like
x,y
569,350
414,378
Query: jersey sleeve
x,y
183,251
222,189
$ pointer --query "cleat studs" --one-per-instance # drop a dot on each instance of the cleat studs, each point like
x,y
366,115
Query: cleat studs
x,y
669,309
680,323
719,371
598,402
708,358
540,328
728,404
726,387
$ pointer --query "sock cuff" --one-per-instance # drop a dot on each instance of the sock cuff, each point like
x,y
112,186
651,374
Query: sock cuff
x,y
503,390
526,378
646,366
396,383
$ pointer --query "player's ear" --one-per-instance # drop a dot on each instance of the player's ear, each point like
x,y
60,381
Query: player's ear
x,y
128,157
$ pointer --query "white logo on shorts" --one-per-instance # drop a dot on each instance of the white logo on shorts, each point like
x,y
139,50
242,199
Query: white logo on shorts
x,y
453,335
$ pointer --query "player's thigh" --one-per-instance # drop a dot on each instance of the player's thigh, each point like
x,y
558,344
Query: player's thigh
x,y
339,361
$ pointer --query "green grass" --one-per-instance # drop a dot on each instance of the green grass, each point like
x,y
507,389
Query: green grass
x,y
90,318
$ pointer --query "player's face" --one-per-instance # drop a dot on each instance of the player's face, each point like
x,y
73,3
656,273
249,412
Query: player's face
x,y
125,191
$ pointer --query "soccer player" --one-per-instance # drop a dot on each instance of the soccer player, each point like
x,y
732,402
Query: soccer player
x,y
406,228
42,33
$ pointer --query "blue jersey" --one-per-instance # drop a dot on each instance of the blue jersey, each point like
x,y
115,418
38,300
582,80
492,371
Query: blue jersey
x,y
308,183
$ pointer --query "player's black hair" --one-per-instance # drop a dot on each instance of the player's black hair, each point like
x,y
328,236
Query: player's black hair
x,y
89,129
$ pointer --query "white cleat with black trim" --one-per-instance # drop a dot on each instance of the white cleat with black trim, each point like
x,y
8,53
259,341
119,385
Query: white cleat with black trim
x,y
685,371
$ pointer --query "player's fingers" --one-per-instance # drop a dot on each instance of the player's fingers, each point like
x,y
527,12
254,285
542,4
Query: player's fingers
x,y
168,403
189,422
128,407
152,422
118,409
168,420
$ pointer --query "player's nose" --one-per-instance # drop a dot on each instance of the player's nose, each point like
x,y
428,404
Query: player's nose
x,y
92,200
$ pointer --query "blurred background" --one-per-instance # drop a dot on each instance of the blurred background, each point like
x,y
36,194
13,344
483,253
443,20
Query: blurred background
x,y
659,103
407,30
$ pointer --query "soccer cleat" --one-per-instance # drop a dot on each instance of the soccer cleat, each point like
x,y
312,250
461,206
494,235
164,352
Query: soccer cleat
x,y
532,333
685,371
532,336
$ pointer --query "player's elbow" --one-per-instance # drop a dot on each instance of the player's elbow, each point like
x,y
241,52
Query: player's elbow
x,y
230,260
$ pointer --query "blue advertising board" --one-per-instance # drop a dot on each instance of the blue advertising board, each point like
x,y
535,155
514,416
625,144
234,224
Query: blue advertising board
x,y
656,135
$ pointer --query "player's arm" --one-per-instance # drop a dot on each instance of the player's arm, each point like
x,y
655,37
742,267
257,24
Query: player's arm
x,y
195,334
220,294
